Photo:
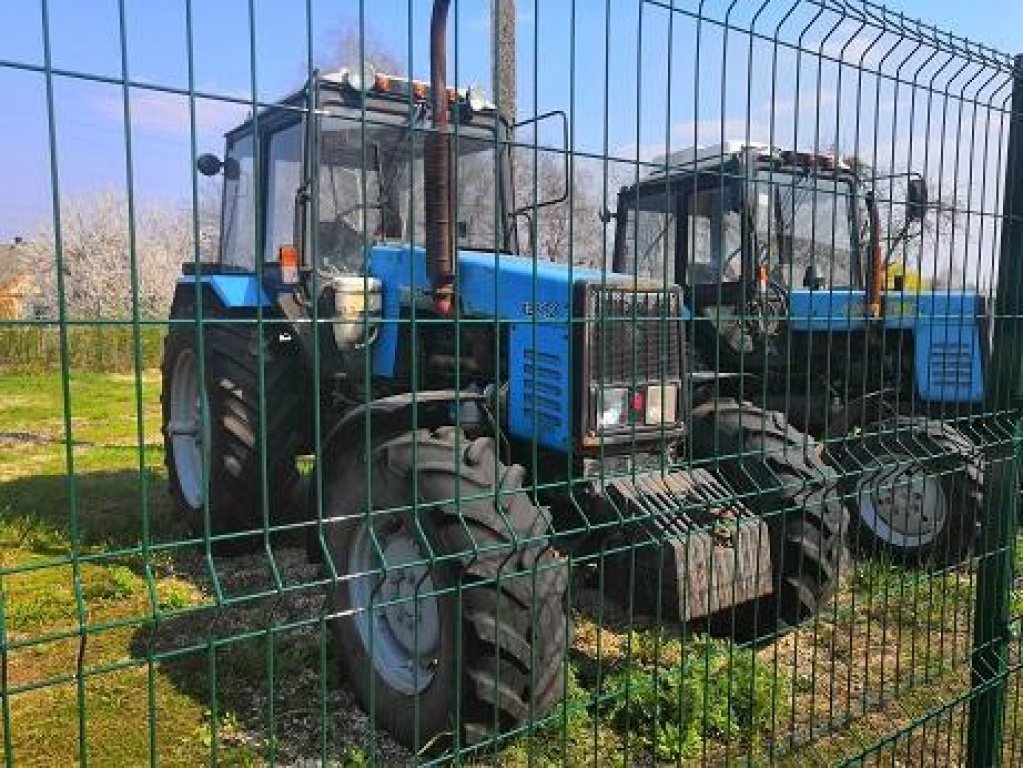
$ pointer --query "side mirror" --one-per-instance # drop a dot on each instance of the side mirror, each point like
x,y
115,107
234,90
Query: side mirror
x,y
916,199
534,150
606,215
208,164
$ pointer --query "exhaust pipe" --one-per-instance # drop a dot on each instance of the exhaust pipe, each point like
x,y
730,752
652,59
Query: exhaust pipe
x,y
440,258
875,286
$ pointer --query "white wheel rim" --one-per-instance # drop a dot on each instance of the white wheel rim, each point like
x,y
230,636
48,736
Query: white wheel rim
x,y
396,611
900,502
185,428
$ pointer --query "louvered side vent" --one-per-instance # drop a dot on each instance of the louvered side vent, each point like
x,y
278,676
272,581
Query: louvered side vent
x,y
950,367
543,395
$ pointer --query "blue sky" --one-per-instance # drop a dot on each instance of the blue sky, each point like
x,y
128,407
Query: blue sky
x,y
89,116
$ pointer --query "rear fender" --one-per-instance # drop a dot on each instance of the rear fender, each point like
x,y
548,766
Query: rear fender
x,y
233,291
397,413
186,294
378,418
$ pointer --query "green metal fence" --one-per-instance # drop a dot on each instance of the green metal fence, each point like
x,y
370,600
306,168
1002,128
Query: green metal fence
x,y
657,403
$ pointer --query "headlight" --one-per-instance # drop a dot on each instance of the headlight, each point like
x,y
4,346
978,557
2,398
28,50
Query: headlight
x,y
661,404
612,408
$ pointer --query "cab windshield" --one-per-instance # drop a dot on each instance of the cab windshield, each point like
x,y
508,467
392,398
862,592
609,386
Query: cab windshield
x,y
693,229
371,184
804,228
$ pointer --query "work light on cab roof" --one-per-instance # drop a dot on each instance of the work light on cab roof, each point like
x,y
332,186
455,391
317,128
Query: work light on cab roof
x,y
471,99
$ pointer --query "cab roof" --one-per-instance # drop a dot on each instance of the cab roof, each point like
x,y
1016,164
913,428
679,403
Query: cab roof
x,y
700,157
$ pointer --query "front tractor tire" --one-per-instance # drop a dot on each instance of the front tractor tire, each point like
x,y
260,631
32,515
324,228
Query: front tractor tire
x,y
914,488
228,442
450,600
780,474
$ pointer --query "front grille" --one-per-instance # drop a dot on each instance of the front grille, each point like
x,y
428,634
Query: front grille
x,y
635,334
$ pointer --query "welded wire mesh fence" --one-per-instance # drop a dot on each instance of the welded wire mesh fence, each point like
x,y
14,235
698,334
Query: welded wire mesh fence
x,y
657,404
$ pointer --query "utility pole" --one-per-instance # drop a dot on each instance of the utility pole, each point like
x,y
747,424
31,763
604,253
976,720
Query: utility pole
x,y
502,35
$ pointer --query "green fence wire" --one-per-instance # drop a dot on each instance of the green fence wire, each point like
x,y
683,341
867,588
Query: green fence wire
x,y
657,403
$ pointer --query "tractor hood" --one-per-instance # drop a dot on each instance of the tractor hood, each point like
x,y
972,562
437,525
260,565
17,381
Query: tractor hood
x,y
535,299
948,328
489,285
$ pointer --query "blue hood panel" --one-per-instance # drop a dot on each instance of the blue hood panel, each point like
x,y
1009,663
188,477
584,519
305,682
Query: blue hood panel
x,y
533,298
947,349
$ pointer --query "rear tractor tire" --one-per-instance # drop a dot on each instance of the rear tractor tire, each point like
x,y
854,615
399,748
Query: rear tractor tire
x,y
229,441
779,473
450,604
914,488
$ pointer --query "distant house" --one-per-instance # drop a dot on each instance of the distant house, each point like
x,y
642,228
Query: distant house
x,y
19,289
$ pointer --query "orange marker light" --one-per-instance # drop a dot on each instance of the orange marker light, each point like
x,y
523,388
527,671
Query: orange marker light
x,y
288,255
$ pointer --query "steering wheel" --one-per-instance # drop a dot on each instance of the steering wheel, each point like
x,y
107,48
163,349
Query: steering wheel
x,y
340,240
345,239
766,310
727,272
767,306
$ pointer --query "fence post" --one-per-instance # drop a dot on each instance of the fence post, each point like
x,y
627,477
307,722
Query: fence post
x,y
994,570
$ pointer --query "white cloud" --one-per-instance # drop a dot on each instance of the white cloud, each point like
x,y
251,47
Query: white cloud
x,y
168,113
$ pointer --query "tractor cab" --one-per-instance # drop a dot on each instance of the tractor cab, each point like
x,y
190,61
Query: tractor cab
x,y
784,262
743,227
364,153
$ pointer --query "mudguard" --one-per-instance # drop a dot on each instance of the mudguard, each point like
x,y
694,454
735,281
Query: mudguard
x,y
234,291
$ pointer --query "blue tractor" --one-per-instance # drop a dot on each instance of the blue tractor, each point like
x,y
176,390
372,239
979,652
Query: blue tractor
x,y
781,259
479,416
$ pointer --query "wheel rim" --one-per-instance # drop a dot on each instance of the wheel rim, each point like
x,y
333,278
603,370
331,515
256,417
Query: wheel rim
x,y
396,610
900,502
185,428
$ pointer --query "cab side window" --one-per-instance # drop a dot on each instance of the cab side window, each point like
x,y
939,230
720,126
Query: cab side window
x,y
284,176
713,236
238,239
649,237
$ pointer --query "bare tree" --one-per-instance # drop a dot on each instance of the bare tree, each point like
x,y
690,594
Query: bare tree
x,y
916,249
351,47
96,255
567,224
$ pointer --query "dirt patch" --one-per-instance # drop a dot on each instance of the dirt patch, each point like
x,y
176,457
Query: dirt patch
x,y
11,439
272,651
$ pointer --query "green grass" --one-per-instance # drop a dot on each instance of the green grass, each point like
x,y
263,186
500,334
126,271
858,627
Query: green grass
x,y
39,513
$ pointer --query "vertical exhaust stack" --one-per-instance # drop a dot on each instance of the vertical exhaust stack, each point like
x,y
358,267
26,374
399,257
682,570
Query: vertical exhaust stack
x,y
875,286
440,258
502,13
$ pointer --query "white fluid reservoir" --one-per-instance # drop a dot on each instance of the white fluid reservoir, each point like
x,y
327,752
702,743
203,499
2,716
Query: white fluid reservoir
x,y
358,303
